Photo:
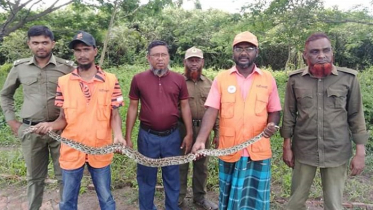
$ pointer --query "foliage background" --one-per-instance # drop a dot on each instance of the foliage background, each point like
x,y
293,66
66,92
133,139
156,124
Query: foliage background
x,y
282,26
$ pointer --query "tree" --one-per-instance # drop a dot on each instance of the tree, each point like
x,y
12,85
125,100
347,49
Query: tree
x,y
19,13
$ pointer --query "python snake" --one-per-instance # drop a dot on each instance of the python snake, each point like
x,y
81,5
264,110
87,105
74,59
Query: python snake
x,y
143,160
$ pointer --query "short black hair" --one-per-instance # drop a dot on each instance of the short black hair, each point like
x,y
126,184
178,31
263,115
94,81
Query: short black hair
x,y
40,30
316,36
157,43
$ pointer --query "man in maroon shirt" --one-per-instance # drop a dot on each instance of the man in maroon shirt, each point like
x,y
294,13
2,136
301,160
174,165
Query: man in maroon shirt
x,y
160,92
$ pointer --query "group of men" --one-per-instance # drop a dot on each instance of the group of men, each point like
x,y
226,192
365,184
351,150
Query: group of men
x,y
322,114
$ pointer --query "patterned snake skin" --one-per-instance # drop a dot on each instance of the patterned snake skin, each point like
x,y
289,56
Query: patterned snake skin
x,y
143,160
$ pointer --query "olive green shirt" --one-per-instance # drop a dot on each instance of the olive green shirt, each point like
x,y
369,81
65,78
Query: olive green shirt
x,y
39,88
322,116
198,92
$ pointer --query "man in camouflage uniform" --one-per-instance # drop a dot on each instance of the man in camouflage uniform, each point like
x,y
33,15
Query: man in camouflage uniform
x,y
38,75
198,88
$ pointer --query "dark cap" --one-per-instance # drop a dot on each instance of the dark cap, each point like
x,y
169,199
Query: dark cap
x,y
84,37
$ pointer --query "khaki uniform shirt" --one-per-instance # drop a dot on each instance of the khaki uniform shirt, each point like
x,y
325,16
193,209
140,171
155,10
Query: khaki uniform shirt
x,y
39,88
198,92
322,116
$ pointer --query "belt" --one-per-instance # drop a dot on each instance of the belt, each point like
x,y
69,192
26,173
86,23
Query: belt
x,y
158,133
30,122
196,123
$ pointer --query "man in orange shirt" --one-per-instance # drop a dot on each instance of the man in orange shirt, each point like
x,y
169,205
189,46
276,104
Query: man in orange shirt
x,y
89,99
247,101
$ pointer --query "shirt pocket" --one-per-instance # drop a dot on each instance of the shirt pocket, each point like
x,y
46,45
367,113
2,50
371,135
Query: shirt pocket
x,y
226,137
227,106
304,97
30,85
261,104
103,111
70,111
336,98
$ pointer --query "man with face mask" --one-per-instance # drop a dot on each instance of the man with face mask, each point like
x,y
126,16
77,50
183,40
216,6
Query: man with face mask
x,y
323,112
89,99
198,88
247,101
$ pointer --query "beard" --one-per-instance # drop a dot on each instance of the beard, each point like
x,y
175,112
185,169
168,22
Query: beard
x,y
244,65
43,56
159,72
84,67
193,74
321,70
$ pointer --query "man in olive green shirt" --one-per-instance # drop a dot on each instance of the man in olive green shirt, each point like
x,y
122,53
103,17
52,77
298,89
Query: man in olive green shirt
x,y
38,75
323,112
198,88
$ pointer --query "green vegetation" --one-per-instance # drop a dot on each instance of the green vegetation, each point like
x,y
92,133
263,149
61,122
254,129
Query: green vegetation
x,y
358,189
281,26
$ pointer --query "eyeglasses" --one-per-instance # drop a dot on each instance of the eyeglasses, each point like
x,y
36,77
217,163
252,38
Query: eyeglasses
x,y
246,49
157,55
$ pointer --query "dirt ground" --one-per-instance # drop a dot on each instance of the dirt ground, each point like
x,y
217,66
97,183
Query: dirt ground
x,y
14,198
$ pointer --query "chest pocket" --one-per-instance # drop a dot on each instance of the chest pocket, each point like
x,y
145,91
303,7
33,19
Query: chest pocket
x,y
104,105
30,85
304,97
227,105
261,104
336,98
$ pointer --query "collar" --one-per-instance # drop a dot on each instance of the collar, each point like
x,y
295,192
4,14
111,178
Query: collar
x,y
307,71
235,70
202,77
99,76
52,59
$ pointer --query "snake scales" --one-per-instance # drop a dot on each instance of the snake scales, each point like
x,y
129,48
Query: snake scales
x,y
143,160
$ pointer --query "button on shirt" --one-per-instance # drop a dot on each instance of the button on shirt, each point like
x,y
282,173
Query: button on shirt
x,y
319,115
198,92
39,89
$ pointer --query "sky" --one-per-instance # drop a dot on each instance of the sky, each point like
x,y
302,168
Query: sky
x,y
235,5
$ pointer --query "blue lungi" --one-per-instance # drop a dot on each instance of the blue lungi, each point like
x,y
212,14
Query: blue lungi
x,y
244,185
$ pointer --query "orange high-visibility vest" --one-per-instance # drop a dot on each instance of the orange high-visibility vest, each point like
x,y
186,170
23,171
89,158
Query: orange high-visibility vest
x,y
87,123
241,119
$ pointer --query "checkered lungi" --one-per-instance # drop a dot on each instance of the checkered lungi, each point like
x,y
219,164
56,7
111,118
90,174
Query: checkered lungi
x,y
244,185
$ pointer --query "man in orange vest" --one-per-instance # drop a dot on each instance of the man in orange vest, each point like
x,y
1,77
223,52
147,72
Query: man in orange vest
x,y
247,101
89,99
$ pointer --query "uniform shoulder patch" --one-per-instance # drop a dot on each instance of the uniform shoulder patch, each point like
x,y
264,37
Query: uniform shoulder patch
x,y
347,70
296,72
66,62
19,61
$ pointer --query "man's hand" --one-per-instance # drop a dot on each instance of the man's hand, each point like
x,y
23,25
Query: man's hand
x,y
129,142
198,145
119,140
270,129
187,144
14,125
43,128
357,164
288,157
